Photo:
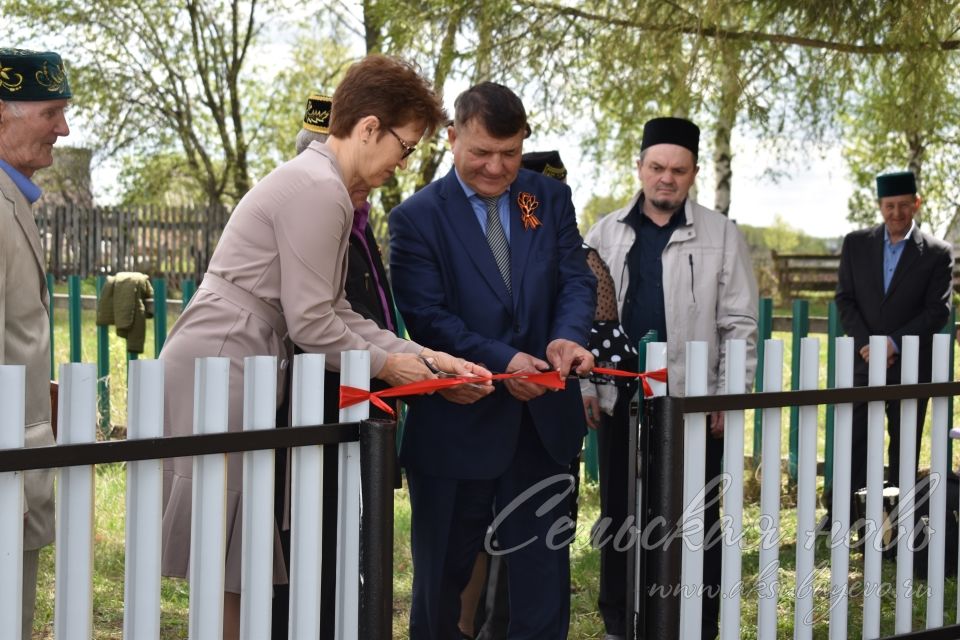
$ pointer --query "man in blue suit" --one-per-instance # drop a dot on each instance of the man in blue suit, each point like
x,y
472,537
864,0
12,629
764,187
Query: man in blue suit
x,y
486,263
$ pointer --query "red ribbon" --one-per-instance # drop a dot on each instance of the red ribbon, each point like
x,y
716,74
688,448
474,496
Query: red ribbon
x,y
350,396
660,375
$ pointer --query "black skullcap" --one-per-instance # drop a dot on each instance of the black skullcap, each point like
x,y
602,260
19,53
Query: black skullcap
x,y
677,131
32,76
317,116
896,184
546,162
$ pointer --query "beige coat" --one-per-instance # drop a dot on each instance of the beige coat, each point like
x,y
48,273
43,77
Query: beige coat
x,y
286,244
708,277
25,339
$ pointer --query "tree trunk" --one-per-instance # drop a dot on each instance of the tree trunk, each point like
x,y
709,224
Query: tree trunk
x,y
726,120
915,152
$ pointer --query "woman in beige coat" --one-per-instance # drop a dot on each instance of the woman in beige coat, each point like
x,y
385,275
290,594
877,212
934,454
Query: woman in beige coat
x,y
277,278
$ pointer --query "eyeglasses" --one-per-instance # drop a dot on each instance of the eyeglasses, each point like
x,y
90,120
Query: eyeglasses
x,y
407,149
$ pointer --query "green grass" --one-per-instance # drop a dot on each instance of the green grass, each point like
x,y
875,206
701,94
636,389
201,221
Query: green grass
x,y
585,621
118,356
108,568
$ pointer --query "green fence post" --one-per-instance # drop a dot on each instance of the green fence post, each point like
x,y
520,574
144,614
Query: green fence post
x,y
188,287
53,366
73,290
103,369
764,332
800,329
833,332
159,315
591,464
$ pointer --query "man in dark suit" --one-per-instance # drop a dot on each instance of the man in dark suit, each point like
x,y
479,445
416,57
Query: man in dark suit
x,y
486,262
895,281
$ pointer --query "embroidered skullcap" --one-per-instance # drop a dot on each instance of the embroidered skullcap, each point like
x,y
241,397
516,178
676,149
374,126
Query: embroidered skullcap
x,y
32,76
317,116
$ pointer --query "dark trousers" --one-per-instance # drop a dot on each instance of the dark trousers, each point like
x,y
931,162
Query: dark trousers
x,y
493,610
328,579
449,522
858,462
613,454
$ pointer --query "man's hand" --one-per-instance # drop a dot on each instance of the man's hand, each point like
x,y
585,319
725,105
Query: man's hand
x,y
891,352
591,407
525,363
716,424
566,356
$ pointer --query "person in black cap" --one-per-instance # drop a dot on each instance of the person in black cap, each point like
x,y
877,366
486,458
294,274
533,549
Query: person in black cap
x,y
316,121
34,92
546,162
894,280
367,290
665,253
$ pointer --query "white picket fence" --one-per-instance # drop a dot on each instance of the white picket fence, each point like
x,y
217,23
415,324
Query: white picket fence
x,y
802,588
73,605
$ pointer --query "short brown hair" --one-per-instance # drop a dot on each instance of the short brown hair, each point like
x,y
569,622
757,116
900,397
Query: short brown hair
x,y
388,88
496,107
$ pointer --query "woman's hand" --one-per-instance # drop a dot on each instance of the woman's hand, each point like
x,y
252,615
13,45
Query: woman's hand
x,y
464,393
404,368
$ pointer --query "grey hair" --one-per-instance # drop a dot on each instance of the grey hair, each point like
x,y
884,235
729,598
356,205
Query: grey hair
x,y
14,107
305,137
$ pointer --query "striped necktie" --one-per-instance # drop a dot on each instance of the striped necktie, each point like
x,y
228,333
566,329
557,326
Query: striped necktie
x,y
497,239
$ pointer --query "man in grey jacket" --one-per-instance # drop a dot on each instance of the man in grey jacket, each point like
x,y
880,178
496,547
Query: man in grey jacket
x,y
683,270
33,96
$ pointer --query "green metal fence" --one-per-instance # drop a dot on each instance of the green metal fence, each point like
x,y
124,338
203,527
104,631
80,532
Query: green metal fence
x,y
800,328
75,334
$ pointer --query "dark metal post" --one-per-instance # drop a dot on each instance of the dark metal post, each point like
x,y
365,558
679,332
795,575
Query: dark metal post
x,y
103,369
765,330
949,330
801,328
53,367
75,310
635,457
660,542
834,330
378,459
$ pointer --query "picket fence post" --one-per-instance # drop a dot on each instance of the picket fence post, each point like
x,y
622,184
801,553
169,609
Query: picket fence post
x,y
12,420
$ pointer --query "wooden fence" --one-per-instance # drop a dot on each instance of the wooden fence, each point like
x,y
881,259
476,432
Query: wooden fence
x,y
173,243
800,274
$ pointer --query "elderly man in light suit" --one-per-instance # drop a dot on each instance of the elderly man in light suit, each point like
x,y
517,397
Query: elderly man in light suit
x,y
33,97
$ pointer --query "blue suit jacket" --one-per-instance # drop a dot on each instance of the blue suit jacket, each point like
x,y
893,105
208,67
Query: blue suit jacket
x,y
453,299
